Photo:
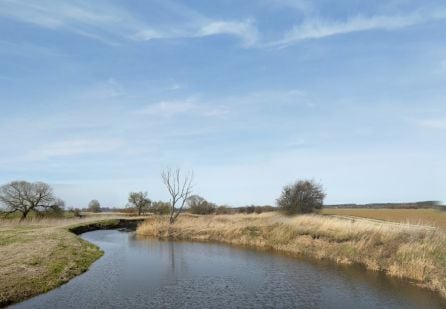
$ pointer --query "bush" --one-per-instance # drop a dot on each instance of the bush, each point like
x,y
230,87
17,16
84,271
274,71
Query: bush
x,y
223,210
199,206
160,208
94,206
304,196
250,209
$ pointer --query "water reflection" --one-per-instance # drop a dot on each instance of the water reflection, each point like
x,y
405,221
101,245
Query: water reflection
x,y
142,273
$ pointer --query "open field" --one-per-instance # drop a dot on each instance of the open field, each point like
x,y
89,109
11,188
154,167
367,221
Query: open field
x,y
431,217
416,253
39,255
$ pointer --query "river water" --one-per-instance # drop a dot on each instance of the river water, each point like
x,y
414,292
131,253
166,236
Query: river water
x,y
147,273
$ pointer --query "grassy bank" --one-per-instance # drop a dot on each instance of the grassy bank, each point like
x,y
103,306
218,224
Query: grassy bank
x,y
431,217
39,255
406,251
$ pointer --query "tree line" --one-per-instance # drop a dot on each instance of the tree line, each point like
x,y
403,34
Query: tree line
x,y
22,197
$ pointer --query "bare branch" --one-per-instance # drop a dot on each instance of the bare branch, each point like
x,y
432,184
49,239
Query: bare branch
x,y
180,188
23,197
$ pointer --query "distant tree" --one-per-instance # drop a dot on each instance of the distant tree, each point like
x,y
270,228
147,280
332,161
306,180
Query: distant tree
x,y
180,188
250,209
139,201
160,208
304,196
199,206
224,210
24,197
94,206
242,210
57,210
76,212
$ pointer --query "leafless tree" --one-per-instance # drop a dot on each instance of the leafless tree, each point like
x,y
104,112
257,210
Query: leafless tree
x,y
180,188
140,201
23,197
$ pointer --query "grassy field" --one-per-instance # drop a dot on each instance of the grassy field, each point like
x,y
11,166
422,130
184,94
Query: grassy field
x,y
39,255
431,217
415,253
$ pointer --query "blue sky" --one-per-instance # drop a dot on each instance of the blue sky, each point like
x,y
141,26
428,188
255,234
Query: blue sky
x,y
98,97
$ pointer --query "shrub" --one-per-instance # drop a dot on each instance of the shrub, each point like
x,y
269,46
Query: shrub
x,y
304,196
199,206
160,208
223,210
94,206
250,209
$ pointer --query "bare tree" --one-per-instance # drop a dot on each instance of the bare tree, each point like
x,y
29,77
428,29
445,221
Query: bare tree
x,y
140,201
180,188
23,197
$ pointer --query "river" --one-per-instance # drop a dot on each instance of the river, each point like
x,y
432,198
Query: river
x,y
148,273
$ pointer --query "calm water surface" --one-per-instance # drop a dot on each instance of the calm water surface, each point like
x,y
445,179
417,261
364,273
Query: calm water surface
x,y
143,273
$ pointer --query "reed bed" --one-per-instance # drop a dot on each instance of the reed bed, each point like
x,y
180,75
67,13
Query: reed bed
x,y
413,252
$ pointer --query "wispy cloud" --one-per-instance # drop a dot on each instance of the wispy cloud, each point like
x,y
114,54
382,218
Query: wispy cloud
x,y
245,30
75,147
109,23
169,108
103,22
316,28
191,106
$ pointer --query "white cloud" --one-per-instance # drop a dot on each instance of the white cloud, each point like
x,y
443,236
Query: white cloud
x,y
147,35
103,21
109,24
318,28
75,147
245,30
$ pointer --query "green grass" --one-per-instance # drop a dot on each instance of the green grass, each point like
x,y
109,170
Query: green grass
x,y
39,255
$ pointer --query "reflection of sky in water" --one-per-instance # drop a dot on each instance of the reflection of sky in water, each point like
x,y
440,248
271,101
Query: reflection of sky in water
x,y
149,273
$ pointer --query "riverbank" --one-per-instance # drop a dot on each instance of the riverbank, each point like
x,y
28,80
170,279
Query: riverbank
x,y
415,253
39,255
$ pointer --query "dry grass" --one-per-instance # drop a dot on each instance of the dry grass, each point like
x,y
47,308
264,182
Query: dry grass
x,y
38,255
413,252
431,217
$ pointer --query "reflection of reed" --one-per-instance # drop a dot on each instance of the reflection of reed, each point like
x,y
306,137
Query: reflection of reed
x,y
172,256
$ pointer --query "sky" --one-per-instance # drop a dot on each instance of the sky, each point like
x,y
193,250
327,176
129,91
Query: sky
x,y
98,97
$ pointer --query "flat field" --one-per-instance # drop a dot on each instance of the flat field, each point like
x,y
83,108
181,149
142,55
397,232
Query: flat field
x,y
430,217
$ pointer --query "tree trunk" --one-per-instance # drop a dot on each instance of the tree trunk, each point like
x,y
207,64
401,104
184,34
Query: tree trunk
x,y
23,217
